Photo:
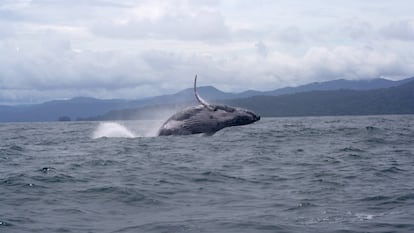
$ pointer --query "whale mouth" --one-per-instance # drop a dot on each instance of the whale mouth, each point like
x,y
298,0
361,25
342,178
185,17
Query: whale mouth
x,y
255,117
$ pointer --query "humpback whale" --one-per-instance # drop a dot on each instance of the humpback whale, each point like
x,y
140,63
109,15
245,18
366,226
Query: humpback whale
x,y
206,118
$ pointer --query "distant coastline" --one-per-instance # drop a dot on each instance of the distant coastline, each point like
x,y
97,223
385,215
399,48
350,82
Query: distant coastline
x,y
333,98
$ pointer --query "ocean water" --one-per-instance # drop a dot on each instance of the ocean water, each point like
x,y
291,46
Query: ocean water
x,y
310,174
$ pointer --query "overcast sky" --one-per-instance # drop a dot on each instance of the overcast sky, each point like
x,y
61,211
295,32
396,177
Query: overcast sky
x,y
58,49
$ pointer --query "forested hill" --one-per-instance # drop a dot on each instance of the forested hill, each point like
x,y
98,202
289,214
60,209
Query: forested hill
x,y
393,100
338,97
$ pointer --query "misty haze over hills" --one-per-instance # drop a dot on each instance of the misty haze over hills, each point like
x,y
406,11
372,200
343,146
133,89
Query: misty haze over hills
x,y
337,97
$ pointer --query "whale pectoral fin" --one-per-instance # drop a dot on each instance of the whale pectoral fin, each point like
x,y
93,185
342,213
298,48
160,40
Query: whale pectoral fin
x,y
201,100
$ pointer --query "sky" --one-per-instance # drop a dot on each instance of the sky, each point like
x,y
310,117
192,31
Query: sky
x,y
59,49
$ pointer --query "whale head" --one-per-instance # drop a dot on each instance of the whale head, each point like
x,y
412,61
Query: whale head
x,y
232,116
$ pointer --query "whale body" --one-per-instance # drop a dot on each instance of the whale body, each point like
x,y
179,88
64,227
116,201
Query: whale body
x,y
206,118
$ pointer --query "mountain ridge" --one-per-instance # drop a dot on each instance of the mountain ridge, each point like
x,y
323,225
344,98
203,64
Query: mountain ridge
x,y
391,100
87,107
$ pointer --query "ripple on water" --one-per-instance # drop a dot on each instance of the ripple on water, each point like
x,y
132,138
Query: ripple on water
x,y
351,149
375,198
11,150
392,169
100,162
5,224
15,180
126,195
216,177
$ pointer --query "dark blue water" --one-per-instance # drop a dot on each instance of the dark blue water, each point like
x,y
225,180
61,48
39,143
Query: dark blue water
x,y
322,174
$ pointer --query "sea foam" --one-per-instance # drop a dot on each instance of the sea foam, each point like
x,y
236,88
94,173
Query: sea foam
x,y
112,130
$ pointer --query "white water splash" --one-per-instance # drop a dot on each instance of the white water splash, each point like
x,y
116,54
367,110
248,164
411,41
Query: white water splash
x,y
133,129
364,216
112,130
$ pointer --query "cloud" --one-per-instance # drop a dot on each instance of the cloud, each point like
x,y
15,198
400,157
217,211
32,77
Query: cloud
x,y
399,30
166,21
357,29
50,63
50,68
6,30
350,63
132,49
261,48
291,34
